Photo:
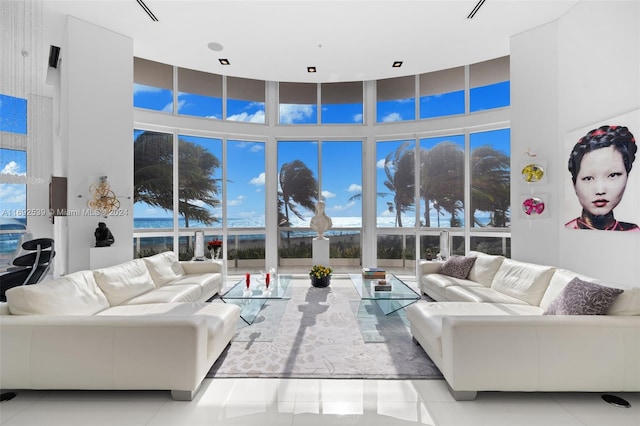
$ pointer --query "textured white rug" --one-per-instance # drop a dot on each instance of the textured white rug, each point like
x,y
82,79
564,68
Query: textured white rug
x,y
316,334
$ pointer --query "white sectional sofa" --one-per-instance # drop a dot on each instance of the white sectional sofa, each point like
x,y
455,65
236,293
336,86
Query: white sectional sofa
x,y
506,327
140,325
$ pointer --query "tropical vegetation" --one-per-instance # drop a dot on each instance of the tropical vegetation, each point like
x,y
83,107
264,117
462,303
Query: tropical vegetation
x,y
442,183
153,176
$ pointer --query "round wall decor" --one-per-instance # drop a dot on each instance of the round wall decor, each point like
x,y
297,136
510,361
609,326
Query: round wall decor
x,y
532,172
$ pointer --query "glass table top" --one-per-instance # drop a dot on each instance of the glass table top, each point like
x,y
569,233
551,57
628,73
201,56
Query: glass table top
x,y
399,289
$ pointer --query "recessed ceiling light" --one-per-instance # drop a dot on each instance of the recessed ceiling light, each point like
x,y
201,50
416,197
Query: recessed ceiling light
x,y
224,61
397,64
311,69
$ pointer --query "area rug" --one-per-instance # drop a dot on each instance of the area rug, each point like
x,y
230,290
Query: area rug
x,y
317,334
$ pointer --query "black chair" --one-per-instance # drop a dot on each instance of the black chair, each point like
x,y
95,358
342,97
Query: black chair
x,y
29,268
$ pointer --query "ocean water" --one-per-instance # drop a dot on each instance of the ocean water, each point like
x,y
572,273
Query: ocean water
x,y
9,240
10,231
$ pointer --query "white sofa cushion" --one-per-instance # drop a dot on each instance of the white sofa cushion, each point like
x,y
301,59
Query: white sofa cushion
x,y
124,281
163,267
480,294
484,268
208,283
524,281
73,294
221,317
427,316
628,303
435,284
167,294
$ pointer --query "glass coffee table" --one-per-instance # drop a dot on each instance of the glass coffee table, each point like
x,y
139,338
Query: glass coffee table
x,y
375,304
251,300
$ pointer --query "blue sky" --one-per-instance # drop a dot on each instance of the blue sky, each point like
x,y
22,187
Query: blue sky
x,y
342,174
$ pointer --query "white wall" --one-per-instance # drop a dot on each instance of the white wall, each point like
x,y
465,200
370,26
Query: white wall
x,y
581,70
97,133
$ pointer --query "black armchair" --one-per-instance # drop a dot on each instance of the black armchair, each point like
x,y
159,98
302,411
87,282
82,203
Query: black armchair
x,y
29,268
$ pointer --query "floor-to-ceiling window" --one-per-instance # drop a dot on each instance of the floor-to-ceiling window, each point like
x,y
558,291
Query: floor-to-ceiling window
x,y
245,204
13,172
448,169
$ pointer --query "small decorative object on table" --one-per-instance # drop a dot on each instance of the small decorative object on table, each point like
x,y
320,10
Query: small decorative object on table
x,y
248,279
104,237
381,285
373,273
320,275
215,248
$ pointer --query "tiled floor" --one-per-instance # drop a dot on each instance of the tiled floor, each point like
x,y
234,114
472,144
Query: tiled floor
x,y
308,402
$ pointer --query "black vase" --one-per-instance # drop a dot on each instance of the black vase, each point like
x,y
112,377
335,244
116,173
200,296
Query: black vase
x,y
321,282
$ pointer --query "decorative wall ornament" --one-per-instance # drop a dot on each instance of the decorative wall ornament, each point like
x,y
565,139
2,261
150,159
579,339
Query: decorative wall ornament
x,y
104,200
532,172
533,206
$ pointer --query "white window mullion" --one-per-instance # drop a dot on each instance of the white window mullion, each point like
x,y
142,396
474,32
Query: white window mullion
x,y
176,195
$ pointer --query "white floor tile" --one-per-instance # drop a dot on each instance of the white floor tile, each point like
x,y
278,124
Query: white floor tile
x,y
96,408
503,409
308,402
593,411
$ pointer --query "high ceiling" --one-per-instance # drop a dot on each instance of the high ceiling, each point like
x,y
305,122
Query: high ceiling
x,y
344,40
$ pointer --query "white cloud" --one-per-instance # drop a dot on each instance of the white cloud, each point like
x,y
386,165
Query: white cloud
x,y
258,180
290,113
258,117
394,116
357,118
253,146
327,194
141,88
12,168
237,201
380,163
11,194
342,208
354,187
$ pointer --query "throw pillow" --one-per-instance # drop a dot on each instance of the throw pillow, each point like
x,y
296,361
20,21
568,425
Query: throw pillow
x,y
164,267
583,298
457,266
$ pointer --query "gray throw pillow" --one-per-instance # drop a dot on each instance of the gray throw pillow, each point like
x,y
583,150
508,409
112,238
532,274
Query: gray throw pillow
x,y
458,266
583,298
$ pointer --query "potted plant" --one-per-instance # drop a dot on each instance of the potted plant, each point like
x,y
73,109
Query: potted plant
x,y
215,248
320,275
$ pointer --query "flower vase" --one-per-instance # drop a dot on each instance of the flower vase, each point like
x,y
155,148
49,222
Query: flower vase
x,y
321,282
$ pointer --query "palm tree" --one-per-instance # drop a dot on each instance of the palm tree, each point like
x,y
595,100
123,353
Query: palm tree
x,y
195,167
490,184
399,167
442,175
153,176
298,188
